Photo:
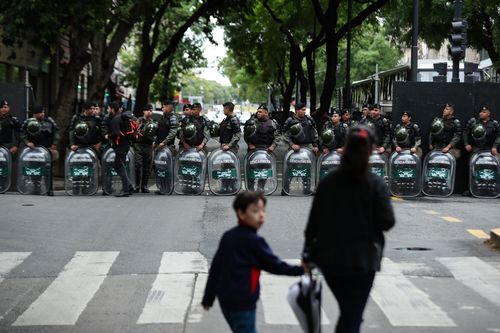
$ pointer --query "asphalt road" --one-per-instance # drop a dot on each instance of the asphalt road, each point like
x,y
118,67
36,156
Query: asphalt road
x,y
138,264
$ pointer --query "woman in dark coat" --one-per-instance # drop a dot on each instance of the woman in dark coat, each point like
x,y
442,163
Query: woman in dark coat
x,y
347,243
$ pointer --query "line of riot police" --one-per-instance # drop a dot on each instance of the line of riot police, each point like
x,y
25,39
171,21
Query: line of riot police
x,y
99,149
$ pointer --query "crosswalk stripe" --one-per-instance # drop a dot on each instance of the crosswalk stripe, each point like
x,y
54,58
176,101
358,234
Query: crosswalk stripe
x,y
170,296
196,311
68,295
477,275
9,261
277,311
404,304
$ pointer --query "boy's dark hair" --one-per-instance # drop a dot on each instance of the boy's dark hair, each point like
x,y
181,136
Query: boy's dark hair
x,y
246,198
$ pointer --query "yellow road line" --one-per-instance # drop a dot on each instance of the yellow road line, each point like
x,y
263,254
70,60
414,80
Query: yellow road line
x,y
431,212
451,219
396,198
478,233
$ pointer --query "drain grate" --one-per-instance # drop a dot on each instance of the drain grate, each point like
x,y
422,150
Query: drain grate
x,y
27,205
413,249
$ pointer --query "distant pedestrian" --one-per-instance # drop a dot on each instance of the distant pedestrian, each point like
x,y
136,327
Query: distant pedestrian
x,y
121,146
347,246
235,271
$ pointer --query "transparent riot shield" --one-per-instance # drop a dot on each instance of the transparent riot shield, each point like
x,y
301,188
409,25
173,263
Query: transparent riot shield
x,y
327,163
484,175
34,172
111,182
299,172
439,174
189,172
260,171
406,174
224,173
379,165
164,170
5,169
81,172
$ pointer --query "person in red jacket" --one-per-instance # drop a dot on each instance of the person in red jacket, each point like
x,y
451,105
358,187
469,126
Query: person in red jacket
x,y
236,266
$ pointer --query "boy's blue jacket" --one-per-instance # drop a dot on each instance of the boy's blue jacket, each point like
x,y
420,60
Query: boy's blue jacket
x,y
235,271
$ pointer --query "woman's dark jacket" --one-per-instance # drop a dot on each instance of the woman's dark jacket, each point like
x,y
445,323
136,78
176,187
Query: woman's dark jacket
x,y
346,223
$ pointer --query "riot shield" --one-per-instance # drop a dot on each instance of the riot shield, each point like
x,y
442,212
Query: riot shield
x,y
164,170
379,165
406,174
34,171
260,171
299,172
484,175
439,174
81,172
224,173
111,182
327,163
189,172
5,169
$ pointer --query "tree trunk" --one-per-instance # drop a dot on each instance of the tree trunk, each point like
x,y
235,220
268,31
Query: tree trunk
x,y
303,84
330,75
146,75
312,80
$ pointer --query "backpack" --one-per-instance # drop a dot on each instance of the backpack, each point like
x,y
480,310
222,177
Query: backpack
x,y
130,130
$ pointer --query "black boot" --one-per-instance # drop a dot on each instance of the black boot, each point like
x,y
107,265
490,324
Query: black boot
x,y
137,180
144,182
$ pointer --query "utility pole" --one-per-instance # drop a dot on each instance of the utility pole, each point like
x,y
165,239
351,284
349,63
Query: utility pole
x,y
414,43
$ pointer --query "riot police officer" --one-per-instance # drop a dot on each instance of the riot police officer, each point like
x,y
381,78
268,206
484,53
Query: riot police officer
x,y
446,132
482,134
10,128
260,131
85,129
407,135
195,131
345,117
121,146
143,149
47,136
300,132
381,127
333,137
230,130
167,127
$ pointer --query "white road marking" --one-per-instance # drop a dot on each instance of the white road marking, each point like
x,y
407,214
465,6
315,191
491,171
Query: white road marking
x,y
68,295
196,310
9,261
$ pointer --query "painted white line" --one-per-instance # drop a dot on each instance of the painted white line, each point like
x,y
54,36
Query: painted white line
x,y
68,295
196,310
183,262
9,261
277,311
404,304
168,300
477,275
170,296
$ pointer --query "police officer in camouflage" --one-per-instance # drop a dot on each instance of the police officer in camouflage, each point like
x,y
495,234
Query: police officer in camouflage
x,y
85,129
167,127
407,135
333,137
229,129
483,133
10,128
446,132
47,136
198,134
143,149
381,127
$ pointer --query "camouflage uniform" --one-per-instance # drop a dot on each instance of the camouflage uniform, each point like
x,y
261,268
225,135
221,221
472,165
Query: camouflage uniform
x,y
143,149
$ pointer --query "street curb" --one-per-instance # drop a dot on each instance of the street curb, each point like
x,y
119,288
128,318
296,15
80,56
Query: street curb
x,y
495,237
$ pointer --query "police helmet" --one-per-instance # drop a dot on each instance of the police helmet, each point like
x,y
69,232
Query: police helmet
x,y
327,136
295,129
214,129
150,130
81,129
478,131
401,134
437,126
33,127
189,131
250,128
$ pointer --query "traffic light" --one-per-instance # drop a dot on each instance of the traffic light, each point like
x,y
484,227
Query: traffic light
x,y
441,68
458,39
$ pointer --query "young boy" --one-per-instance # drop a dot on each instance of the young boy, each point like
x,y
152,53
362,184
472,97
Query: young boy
x,y
235,271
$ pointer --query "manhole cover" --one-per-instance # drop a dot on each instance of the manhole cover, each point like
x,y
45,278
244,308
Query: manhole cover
x,y
413,248
27,205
